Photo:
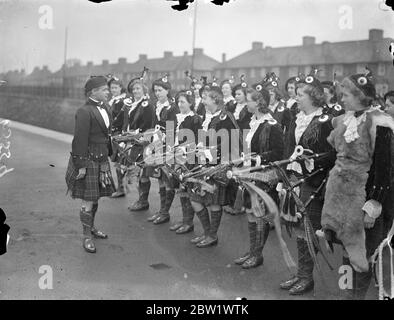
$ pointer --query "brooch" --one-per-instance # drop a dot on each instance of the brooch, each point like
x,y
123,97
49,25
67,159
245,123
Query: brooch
x,y
127,102
337,107
323,118
145,103
309,79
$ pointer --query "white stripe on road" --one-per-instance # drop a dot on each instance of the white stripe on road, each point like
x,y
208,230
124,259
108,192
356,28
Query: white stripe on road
x,y
59,136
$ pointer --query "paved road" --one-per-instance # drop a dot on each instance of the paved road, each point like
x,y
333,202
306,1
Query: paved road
x,y
138,261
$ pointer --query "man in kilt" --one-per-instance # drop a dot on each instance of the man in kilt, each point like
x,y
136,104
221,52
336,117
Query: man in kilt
x,y
88,175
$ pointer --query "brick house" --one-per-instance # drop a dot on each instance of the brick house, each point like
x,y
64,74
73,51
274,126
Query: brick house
x,y
344,58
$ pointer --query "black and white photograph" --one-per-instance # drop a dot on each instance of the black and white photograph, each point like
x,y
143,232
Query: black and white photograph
x,y
196,150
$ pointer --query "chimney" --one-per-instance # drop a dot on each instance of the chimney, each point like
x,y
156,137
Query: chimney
x,y
143,57
375,34
198,51
105,63
89,64
122,61
308,41
167,54
256,45
185,53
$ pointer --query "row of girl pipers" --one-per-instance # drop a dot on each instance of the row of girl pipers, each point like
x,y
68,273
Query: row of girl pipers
x,y
343,120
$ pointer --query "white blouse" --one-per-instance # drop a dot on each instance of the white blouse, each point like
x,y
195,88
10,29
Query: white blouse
x,y
303,122
160,106
208,118
238,109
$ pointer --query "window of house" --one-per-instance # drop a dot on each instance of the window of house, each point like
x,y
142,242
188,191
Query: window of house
x,y
252,73
307,70
322,71
381,69
263,72
293,71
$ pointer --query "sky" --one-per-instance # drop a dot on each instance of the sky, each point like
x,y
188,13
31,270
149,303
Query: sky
x,y
127,28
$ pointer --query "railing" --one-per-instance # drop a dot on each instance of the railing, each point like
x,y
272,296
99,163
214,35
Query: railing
x,y
47,91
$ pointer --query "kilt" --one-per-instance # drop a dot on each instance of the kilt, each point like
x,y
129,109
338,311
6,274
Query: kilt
x,y
272,193
88,188
219,197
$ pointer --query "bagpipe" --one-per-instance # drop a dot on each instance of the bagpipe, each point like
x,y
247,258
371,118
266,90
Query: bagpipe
x,y
130,146
377,265
265,208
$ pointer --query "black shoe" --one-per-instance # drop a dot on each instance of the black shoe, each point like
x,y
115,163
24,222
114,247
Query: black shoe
x,y
162,219
154,217
88,245
242,259
197,239
186,228
288,284
118,194
207,242
99,234
301,287
176,226
253,262
139,206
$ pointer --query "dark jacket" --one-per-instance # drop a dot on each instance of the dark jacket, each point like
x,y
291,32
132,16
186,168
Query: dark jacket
x,y
244,118
293,109
201,111
315,139
283,116
117,113
333,110
226,121
91,136
193,123
267,142
142,117
378,183
167,114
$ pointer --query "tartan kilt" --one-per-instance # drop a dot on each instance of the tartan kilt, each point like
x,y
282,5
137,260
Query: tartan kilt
x,y
219,197
314,209
271,192
88,188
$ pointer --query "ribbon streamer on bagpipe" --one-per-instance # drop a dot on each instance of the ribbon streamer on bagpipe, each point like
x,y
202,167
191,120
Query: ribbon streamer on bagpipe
x,y
377,262
199,175
311,238
261,203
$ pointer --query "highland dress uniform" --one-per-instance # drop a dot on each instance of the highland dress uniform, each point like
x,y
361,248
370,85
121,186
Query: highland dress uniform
x,y
91,147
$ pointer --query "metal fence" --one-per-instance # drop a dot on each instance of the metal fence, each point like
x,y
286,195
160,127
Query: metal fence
x,y
47,91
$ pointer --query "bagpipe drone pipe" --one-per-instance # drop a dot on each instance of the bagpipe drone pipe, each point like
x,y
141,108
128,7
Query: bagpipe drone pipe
x,y
264,207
